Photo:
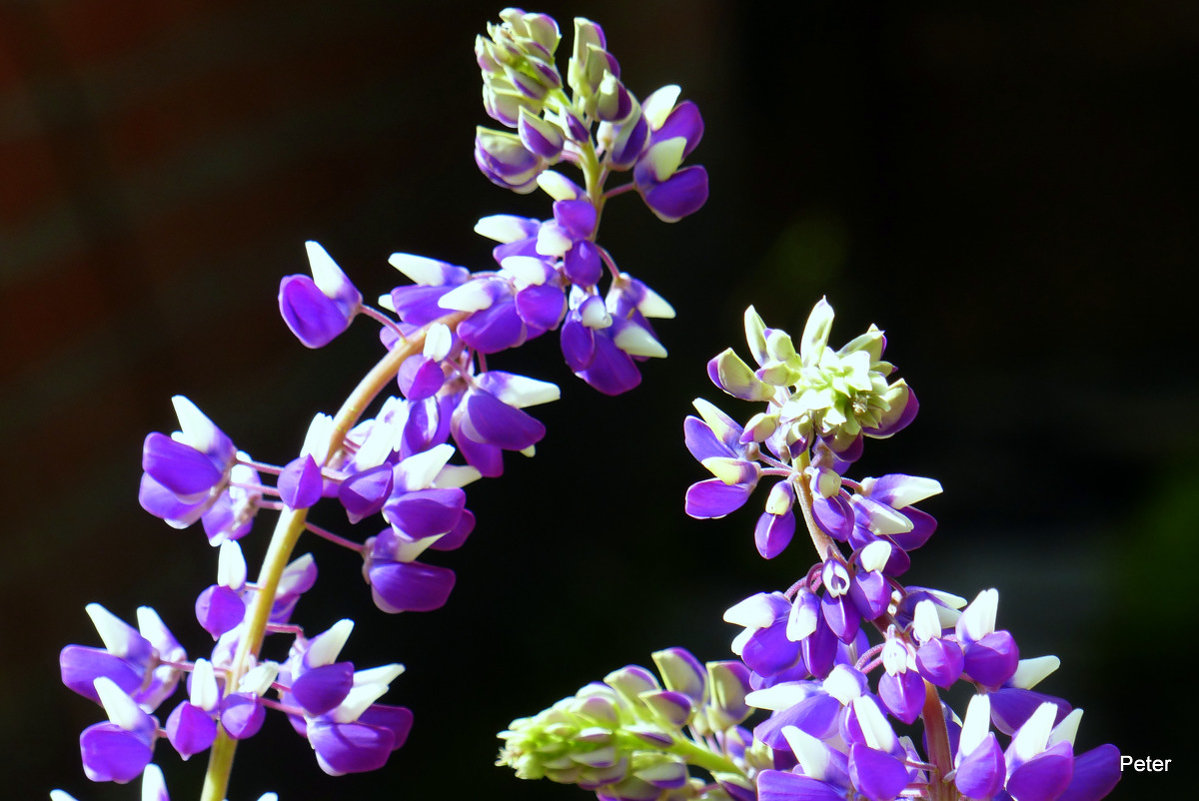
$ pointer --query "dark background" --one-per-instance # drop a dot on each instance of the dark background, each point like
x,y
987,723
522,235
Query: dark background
x,y
1007,189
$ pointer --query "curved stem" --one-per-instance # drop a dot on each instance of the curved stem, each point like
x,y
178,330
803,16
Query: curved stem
x,y
288,528
937,734
822,542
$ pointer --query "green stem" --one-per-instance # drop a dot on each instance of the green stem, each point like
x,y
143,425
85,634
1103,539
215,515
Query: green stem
x,y
288,529
701,757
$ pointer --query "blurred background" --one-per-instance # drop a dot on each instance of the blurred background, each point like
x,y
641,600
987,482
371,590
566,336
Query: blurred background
x,y
1008,190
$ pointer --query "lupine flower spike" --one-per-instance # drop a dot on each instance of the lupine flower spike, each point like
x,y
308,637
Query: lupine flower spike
x,y
443,419
845,653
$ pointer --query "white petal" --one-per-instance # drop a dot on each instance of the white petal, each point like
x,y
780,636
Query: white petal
x,y
875,555
753,612
419,269
1034,734
1067,730
557,185
636,341
419,469
926,624
231,566
977,725
258,679
528,270
325,647
383,674
1030,672
204,692
154,786
978,619
503,228
328,276
812,754
112,630
659,104
780,696
438,340
120,708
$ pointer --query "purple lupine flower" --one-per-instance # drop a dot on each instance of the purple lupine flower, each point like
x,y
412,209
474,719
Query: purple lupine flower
x,y
187,473
398,582
131,658
418,304
488,419
715,442
320,308
119,750
602,341
816,707
349,732
221,607
505,161
191,727
991,657
901,687
856,591
674,130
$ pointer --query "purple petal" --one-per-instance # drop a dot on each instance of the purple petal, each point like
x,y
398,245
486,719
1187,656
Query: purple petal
x,y
396,718
702,442
424,381
834,516
190,729
582,264
900,422
768,651
541,306
681,194
684,121
494,422
819,650
363,494
870,593
320,689
418,305
409,586
487,459
219,609
611,371
578,217
1044,777
940,661
578,343
458,534
876,775
493,329
241,715
162,503
714,498
111,754
300,483
992,660
81,666
350,747
773,533
179,468
980,775
818,715
314,318
425,513
841,615
1011,707
1095,774
775,785
903,694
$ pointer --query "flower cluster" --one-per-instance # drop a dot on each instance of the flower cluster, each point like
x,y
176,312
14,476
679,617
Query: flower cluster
x,y
443,419
629,737
836,697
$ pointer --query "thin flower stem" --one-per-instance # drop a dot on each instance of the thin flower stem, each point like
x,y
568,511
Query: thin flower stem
x,y
822,542
620,190
288,528
701,757
382,319
261,467
334,538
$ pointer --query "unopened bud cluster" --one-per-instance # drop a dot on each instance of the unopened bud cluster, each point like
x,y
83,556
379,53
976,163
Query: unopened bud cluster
x,y
631,737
